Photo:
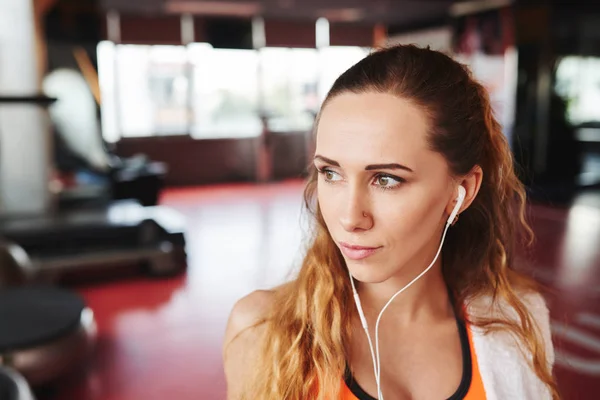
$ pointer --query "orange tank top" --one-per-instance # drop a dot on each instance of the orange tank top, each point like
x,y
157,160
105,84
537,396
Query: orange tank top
x,y
470,388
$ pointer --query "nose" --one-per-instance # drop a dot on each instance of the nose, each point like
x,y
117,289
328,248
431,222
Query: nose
x,y
355,214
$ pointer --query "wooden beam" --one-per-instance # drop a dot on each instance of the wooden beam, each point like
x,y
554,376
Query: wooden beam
x,y
40,9
88,71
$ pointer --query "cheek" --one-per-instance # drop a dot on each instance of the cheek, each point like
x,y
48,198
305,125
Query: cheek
x,y
327,202
410,220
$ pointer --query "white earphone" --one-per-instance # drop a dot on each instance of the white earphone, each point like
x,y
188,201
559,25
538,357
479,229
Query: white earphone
x,y
462,193
375,354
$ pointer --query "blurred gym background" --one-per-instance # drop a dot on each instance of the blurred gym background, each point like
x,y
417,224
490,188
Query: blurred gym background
x,y
152,156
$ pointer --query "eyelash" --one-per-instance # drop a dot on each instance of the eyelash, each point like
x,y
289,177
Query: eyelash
x,y
400,181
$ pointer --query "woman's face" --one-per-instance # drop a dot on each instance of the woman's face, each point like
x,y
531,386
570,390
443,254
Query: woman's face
x,y
384,195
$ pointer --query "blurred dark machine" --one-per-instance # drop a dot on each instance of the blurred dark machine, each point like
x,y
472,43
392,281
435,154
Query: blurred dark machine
x,y
47,332
107,219
13,386
73,243
94,212
87,172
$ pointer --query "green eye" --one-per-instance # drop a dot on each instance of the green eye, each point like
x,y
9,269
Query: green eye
x,y
387,181
329,175
383,180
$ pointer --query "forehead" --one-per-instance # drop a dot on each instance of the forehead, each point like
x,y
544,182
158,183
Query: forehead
x,y
373,127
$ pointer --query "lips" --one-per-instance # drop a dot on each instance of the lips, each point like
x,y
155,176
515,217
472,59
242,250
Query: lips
x,y
355,252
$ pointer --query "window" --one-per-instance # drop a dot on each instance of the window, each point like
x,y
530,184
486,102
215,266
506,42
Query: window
x,y
152,84
334,61
289,95
225,92
578,83
106,79
144,90
214,93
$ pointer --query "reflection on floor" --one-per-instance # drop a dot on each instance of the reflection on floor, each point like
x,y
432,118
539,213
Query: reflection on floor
x,y
162,338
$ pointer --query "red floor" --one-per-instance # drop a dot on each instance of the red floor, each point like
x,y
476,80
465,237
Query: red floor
x,y
161,339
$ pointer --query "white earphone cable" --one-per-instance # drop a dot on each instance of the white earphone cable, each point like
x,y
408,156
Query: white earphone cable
x,y
366,328
375,354
378,376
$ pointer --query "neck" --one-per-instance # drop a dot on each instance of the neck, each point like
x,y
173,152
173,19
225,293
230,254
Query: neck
x,y
427,298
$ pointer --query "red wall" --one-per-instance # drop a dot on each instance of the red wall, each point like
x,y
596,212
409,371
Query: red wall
x,y
197,162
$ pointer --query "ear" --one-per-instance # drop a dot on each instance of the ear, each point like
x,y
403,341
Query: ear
x,y
472,183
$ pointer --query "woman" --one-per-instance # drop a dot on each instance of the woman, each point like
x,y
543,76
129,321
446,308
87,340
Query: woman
x,y
399,134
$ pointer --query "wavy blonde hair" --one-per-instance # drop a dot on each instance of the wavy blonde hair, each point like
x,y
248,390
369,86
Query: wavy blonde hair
x,y
307,333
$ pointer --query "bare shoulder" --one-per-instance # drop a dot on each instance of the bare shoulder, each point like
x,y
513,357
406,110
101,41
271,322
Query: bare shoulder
x,y
243,339
247,312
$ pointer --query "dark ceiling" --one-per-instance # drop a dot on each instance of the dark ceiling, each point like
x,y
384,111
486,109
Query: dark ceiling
x,y
397,12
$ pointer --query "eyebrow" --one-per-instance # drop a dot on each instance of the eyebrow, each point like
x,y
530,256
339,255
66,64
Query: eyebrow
x,y
369,167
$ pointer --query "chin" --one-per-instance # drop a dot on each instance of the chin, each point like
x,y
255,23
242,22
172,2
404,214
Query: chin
x,y
367,272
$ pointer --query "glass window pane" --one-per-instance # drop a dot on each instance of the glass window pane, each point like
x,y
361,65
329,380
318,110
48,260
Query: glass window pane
x,y
106,53
289,88
334,61
152,92
578,82
225,92
275,96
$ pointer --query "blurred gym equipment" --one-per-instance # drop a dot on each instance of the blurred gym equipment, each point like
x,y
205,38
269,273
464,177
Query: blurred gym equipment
x,y
46,332
43,248
107,217
13,386
88,171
